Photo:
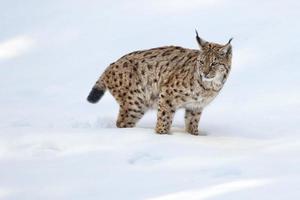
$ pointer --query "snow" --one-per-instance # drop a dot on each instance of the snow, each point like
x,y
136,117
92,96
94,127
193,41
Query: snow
x,y
55,145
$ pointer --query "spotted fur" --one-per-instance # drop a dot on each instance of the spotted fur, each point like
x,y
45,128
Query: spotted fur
x,y
166,78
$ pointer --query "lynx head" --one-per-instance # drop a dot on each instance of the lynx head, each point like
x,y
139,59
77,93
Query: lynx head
x,y
214,59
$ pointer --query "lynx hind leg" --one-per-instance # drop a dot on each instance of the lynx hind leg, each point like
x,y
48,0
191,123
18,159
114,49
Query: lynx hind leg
x,y
192,118
165,116
130,113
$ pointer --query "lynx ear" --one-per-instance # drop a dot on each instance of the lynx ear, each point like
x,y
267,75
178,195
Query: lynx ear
x,y
200,41
227,47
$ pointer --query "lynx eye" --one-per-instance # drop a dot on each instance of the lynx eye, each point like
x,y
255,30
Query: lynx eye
x,y
213,64
222,54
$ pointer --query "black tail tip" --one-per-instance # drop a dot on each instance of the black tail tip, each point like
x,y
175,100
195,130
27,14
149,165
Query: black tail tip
x,y
95,95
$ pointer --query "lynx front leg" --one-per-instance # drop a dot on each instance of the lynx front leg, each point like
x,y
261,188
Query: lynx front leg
x,y
165,116
192,118
129,116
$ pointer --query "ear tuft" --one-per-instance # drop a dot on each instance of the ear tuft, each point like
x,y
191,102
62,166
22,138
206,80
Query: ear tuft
x,y
200,41
197,36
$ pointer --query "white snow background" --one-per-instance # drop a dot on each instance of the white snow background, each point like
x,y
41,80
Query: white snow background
x,y
55,145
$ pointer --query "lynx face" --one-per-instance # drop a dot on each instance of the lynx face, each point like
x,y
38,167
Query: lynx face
x,y
215,59
214,62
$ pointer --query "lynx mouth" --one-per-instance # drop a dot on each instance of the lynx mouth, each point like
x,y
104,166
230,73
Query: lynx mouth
x,y
215,78
209,76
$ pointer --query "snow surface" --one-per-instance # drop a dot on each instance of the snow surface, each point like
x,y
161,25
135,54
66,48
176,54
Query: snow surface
x,y
54,145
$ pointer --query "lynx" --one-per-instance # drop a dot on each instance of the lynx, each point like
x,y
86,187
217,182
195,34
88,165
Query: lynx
x,y
166,78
